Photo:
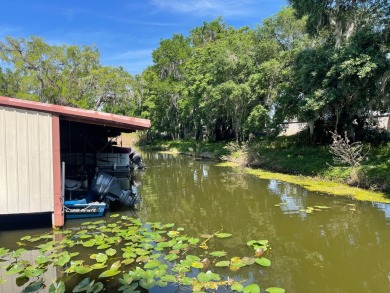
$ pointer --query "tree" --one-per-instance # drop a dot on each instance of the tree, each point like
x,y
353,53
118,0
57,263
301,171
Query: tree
x,y
338,80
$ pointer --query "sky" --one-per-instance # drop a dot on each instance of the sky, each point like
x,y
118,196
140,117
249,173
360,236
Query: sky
x,y
124,32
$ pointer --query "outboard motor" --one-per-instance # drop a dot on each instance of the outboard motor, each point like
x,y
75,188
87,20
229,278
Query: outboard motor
x,y
136,159
106,188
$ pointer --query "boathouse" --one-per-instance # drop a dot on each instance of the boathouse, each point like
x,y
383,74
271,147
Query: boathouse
x,y
30,152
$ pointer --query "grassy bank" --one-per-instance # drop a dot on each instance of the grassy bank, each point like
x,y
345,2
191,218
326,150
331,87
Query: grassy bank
x,y
290,160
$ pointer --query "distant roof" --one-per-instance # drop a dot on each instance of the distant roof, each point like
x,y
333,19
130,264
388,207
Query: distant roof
x,y
79,115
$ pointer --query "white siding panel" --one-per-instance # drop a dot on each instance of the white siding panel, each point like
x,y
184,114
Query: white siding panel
x,y
34,163
11,157
46,163
3,165
26,168
21,163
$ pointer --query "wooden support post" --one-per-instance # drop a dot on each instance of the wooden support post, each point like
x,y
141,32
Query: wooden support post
x,y
58,220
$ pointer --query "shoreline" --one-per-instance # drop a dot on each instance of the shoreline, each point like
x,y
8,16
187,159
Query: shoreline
x,y
316,184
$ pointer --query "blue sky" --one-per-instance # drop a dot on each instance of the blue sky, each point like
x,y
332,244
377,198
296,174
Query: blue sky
x,y
125,32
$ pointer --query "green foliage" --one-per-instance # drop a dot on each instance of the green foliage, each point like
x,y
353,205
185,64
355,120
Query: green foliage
x,y
151,246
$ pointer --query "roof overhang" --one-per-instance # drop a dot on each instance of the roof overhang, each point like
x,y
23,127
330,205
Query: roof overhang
x,y
122,123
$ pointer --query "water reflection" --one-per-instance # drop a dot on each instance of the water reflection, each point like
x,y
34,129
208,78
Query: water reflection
x,y
319,252
345,248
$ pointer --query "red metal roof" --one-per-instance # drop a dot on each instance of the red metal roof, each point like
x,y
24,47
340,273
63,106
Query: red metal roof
x,y
79,115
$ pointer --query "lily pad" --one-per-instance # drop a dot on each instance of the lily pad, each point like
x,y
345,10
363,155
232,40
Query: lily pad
x,y
265,262
218,253
111,252
109,273
82,270
57,288
274,290
237,287
101,257
224,263
252,288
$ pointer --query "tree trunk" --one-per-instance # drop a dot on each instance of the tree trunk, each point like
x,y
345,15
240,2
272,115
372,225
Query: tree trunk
x,y
310,123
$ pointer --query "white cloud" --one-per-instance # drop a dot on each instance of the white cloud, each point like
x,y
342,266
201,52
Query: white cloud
x,y
225,8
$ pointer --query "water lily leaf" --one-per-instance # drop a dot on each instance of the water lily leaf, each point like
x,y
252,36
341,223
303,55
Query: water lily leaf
x,y
167,226
180,246
109,273
33,271
147,283
64,259
152,264
18,253
34,286
3,251
257,242
203,277
89,243
127,261
192,258
265,262
193,241
57,288
114,216
197,265
101,257
205,236
248,260
252,288
82,270
218,253
224,263
35,239
169,278
28,237
84,285
41,259
85,236
143,258
274,290
98,266
223,235
171,257
116,265
237,287
97,287
173,234
162,284
180,229
213,277
129,254
111,252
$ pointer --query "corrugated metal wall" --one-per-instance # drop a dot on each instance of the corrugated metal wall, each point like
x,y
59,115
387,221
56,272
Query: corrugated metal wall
x,y
26,164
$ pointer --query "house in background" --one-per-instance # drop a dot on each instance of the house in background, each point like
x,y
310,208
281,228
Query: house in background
x,y
30,152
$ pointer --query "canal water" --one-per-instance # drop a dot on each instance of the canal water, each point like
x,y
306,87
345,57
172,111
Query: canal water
x,y
319,243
